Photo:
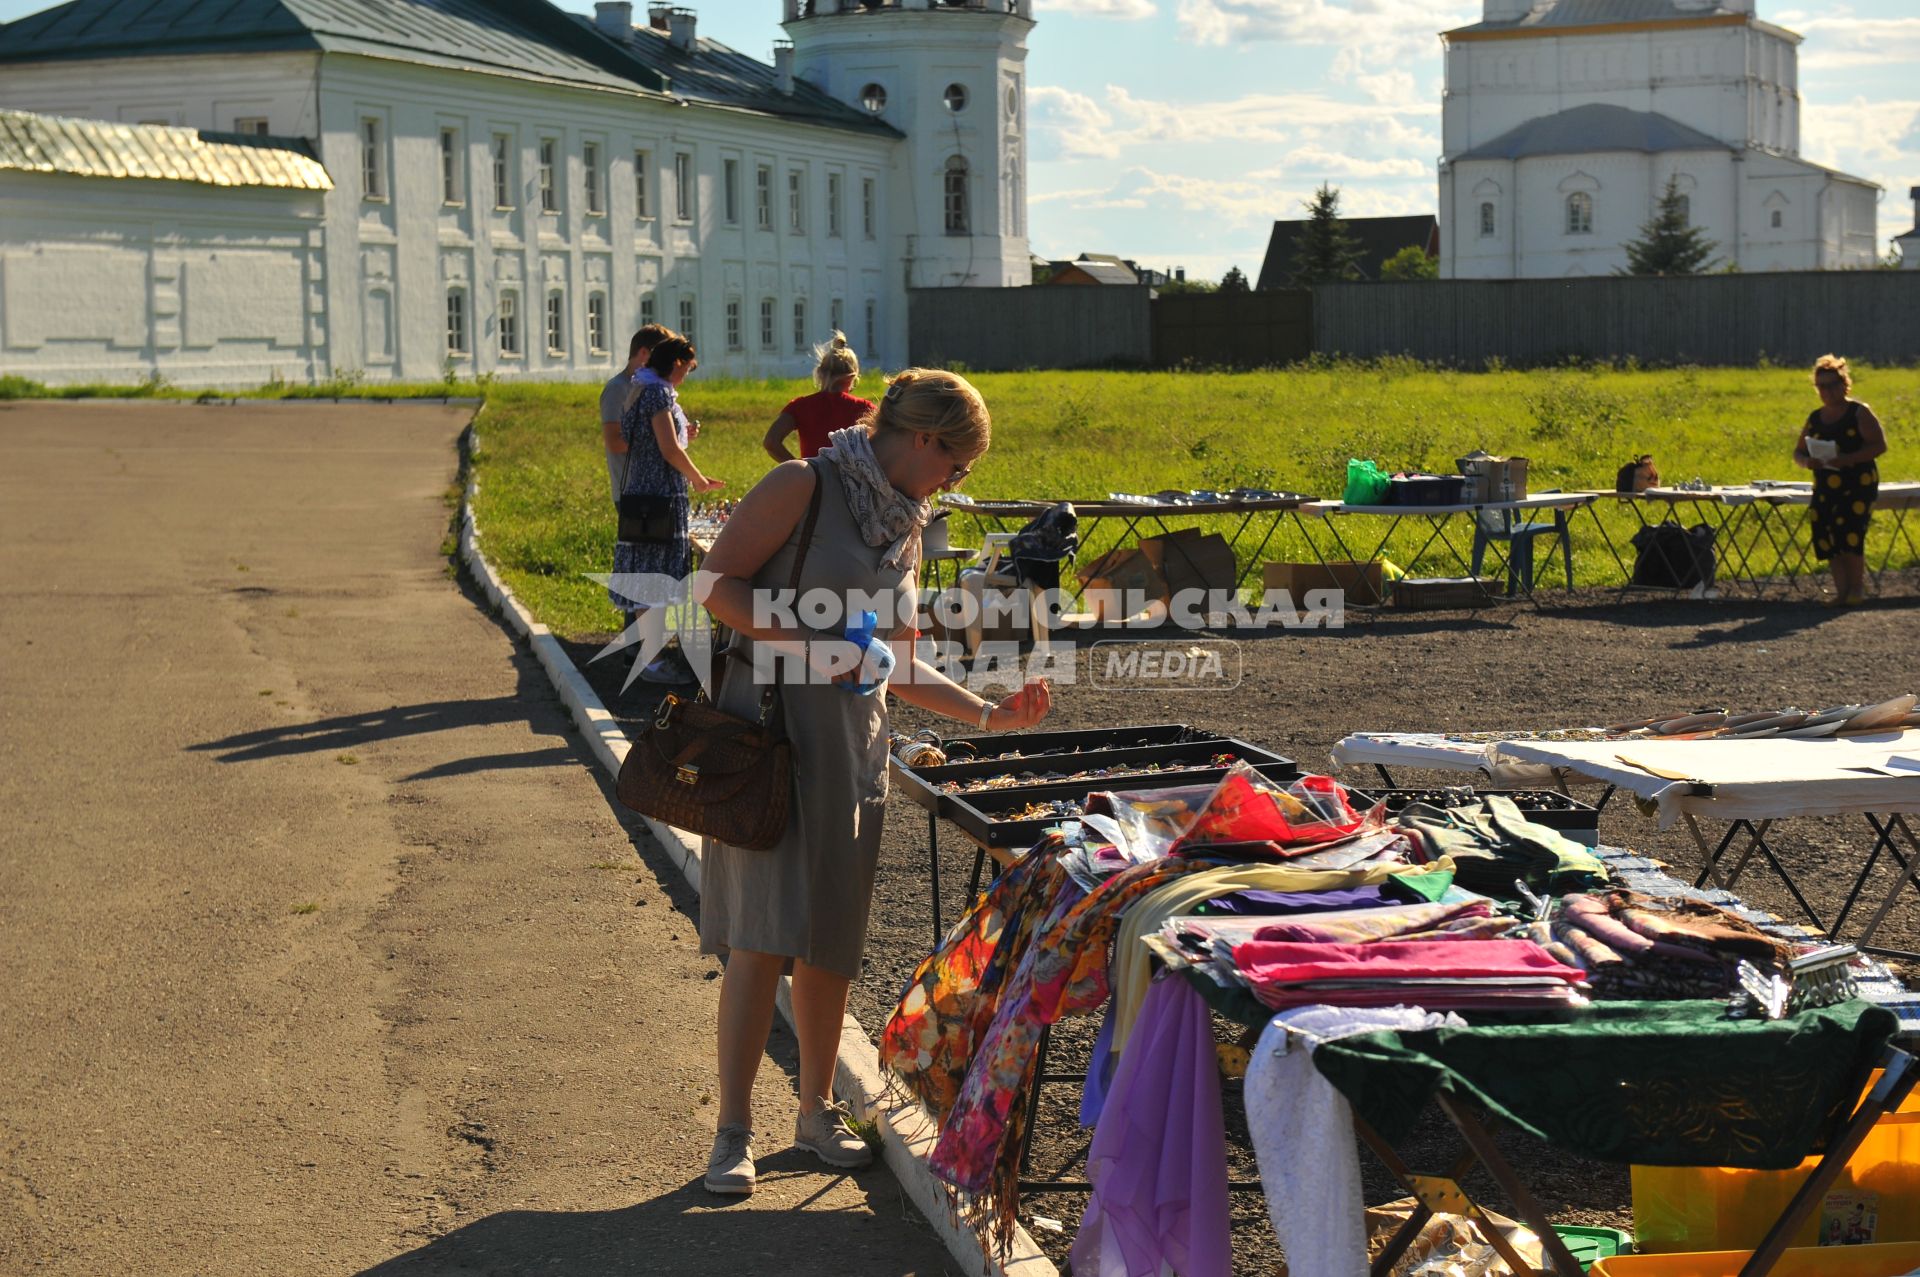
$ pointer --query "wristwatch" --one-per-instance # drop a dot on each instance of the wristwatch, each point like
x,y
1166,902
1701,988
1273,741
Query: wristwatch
x,y
986,712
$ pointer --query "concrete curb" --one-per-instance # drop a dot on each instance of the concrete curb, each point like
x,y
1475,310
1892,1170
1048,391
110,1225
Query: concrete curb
x,y
908,1132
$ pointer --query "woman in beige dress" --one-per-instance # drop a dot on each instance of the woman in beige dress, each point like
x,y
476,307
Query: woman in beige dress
x,y
802,907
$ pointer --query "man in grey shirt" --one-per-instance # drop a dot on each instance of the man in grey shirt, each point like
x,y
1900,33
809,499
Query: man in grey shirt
x,y
618,392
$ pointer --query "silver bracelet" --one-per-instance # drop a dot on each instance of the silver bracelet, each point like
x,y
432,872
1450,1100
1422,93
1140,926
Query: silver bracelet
x,y
986,712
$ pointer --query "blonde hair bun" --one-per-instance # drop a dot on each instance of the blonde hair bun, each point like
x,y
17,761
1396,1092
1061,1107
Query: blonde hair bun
x,y
833,360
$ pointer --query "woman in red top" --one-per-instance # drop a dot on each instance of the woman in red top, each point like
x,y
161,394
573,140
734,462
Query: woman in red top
x,y
828,409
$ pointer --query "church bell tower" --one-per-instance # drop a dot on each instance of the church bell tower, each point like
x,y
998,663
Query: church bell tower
x,y
950,75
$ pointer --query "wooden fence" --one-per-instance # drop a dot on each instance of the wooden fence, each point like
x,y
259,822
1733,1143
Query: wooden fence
x,y
1735,320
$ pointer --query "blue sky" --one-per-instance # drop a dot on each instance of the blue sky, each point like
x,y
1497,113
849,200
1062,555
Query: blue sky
x,y
1175,131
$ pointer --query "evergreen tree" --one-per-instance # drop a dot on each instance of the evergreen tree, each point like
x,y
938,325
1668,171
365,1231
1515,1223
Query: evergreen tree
x,y
1327,252
1410,262
1234,281
1667,244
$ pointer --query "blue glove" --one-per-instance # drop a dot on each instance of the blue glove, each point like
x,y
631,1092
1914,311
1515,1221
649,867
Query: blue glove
x,y
876,661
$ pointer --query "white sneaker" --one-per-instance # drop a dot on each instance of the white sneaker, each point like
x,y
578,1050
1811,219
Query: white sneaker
x,y
828,1134
730,1165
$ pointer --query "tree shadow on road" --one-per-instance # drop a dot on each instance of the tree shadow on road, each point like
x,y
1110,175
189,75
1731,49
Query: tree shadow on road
x,y
687,1233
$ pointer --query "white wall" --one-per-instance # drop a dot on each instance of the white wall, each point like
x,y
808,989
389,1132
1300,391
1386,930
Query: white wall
x,y
391,260
414,246
116,280
1735,83
914,56
1826,220
200,92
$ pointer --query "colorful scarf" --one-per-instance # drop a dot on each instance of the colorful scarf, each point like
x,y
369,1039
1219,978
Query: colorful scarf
x,y
886,515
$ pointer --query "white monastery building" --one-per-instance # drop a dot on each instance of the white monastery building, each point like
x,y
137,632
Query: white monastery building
x,y
222,194
1564,119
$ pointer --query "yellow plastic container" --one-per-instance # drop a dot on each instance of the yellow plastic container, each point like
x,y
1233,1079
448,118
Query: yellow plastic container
x,y
1688,1208
1890,1259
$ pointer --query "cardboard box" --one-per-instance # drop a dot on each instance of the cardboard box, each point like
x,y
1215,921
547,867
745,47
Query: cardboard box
x,y
1191,560
1361,581
1441,593
1121,584
1493,478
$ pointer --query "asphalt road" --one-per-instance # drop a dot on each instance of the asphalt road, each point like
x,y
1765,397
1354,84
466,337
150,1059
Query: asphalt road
x,y
322,949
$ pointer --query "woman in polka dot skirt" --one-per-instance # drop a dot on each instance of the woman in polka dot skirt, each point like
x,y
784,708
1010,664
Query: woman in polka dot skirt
x,y
1839,443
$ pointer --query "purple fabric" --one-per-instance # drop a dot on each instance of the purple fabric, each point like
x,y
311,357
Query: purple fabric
x,y
1093,1094
1262,902
1158,1162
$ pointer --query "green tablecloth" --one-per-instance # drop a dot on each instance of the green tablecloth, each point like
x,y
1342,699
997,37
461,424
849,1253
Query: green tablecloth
x,y
1658,1083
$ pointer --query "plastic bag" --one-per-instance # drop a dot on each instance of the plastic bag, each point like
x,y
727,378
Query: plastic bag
x,y
1244,807
1449,1245
1367,483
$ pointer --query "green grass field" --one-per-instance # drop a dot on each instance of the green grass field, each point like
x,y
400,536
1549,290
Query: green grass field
x,y
543,502
544,509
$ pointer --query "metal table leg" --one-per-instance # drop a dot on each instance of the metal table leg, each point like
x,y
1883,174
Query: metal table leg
x,y
1756,842
1907,875
933,873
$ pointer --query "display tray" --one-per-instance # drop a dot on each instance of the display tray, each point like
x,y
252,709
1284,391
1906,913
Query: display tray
x,y
1188,755
1032,744
1571,817
987,817
1054,767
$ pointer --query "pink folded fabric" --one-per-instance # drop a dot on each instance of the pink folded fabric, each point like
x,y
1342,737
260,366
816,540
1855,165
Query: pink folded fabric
x,y
1281,962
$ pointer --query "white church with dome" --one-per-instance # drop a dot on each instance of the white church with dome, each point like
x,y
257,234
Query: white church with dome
x,y
1564,120
223,194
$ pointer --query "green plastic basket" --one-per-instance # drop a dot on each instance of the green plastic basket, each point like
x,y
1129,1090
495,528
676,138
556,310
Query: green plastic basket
x,y
1592,1244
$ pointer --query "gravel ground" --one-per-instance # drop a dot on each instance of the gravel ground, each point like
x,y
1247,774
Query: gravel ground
x,y
1593,661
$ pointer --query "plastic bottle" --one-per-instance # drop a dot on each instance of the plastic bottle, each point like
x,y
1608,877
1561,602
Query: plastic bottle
x,y
860,634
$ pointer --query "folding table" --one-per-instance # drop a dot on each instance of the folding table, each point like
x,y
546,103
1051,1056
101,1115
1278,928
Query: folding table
x,y
1151,517
1442,1191
1435,520
1892,505
1750,784
1737,514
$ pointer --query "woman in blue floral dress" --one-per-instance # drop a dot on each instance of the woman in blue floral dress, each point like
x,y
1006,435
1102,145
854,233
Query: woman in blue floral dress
x,y
657,434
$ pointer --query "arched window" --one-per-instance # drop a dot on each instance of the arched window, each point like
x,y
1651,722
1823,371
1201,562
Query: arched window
x,y
955,188
1016,206
1579,213
1486,217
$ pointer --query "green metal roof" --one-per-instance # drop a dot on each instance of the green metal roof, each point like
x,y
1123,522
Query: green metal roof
x,y
515,37
99,148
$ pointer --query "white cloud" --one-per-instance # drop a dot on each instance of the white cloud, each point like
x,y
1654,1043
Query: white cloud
x,y
1862,136
1388,86
1380,31
1076,194
1846,43
1073,122
1306,161
1124,10
1074,126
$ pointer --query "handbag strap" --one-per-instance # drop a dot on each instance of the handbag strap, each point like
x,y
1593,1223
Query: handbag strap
x,y
807,525
806,528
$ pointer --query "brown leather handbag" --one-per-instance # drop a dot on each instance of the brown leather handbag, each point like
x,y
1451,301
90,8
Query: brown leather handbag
x,y
714,773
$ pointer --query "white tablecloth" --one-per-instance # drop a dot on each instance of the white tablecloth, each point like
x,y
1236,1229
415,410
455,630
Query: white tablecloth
x,y
1432,750
1750,779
